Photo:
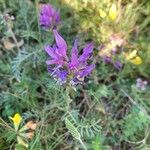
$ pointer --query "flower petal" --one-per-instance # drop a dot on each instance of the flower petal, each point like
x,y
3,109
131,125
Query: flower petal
x,y
57,17
86,52
51,62
113,12
75,48
136,61
74,57
87,71
61,75
118,65
50,51
107,59
62,45
131,55
102,13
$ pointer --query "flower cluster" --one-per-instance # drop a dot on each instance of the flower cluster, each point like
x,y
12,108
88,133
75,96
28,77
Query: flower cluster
x,y
49,17
63,68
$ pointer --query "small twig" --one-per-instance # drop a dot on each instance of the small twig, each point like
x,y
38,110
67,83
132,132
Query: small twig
x,y
5,124
132,100
82,144
13,36
143,140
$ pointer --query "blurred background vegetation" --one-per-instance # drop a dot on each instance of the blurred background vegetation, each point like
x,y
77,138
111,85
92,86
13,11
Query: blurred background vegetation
x,y
108,111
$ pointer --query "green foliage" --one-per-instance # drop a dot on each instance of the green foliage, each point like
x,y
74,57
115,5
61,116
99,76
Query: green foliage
x,y
98,143
19,147
108,111
86,128
135,122
72,129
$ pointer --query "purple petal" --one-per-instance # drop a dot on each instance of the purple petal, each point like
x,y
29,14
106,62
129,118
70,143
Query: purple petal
x,y
57,17
75,48
145,82
62,45
62,75
140,84
118,65
50,51
87,71
107,59
51,62
139,80
87,51
49,69
74,57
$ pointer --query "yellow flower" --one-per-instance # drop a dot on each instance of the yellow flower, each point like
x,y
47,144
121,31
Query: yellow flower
x,y
137,60
102,13
131,55
113,12
133,58
16,120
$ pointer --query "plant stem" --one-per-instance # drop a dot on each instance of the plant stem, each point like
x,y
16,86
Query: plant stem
x,y
82,144
68,98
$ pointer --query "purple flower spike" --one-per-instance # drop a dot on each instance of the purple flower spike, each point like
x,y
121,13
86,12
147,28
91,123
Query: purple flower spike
x,y
64,69
49,17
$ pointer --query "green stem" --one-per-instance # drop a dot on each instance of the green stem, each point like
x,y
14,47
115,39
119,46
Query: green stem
x,y
82,144
68,98
37,13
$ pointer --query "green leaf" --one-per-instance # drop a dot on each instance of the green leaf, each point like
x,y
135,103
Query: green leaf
x,y
20,147
72,129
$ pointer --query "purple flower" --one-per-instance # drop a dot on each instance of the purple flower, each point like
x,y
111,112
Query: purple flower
x,y
141,84
118,65
107,59
114,50
49,17
64,69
